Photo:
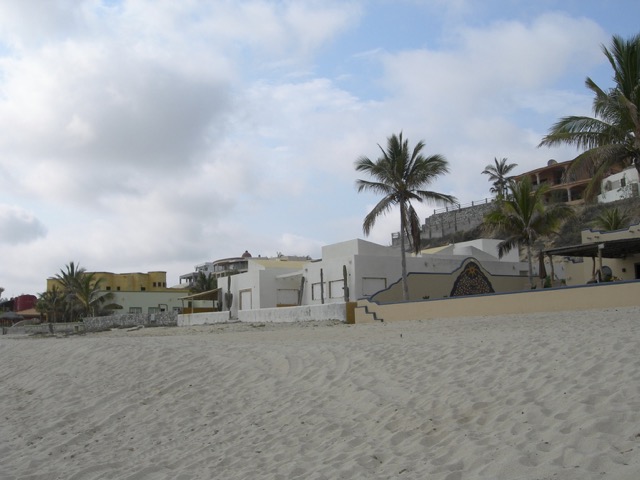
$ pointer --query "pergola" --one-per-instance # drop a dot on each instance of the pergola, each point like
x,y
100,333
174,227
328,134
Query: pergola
x,y
209,295
620,248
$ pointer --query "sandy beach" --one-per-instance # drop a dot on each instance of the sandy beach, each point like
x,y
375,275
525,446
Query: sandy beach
x,y
547,396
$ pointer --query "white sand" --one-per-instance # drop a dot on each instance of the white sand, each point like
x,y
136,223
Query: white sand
x,y
550,396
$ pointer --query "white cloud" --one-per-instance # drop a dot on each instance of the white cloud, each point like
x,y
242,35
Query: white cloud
x,y
155,135
18,226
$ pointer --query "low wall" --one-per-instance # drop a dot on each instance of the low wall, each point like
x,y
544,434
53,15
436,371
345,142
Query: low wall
x,y
585,297
331,311
206,318
127,320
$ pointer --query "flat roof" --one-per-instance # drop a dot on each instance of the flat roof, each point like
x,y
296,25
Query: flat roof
x,y
610,249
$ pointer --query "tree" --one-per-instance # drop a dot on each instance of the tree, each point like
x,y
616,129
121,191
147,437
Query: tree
x,y
498,175
522,218
89,296
69,280
82,295
51,303
204,283
612,136
400,176
612,218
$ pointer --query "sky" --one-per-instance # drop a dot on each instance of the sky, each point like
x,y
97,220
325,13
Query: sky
x,y
146,135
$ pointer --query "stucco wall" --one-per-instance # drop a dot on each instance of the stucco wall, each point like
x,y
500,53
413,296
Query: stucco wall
x,y
208,318
438,284
333,311
595,296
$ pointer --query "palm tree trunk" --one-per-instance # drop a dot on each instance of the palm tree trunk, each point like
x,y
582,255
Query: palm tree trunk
x,y
403,255
530,265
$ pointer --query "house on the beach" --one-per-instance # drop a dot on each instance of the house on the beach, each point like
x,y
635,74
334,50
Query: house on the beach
x,y
601,257
358,268
135,292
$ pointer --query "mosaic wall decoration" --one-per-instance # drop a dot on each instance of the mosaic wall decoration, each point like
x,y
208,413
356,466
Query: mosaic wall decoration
x,y
471,281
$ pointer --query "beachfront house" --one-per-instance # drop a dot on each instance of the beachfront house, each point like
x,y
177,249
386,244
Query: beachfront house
x,y
602,256
135,292
358,268
619,186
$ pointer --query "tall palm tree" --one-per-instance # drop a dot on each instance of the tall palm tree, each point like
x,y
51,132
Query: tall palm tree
x,y
522,218
612,136
400,176
498,175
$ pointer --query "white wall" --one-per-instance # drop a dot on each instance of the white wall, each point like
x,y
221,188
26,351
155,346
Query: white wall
x,y
334,311
369,263
612,188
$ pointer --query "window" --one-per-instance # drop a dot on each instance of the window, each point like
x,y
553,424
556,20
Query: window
x,y
118,288
154,284
142,289
135,309
108,288
153,310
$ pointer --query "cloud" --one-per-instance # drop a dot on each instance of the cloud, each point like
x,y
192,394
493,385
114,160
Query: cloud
x,y
18,226
156,135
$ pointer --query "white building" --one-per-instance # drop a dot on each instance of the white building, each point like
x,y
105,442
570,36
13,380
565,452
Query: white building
x,y
364,267
619,186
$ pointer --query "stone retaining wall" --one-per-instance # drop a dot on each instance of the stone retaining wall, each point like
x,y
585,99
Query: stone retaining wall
x,y
127,320
456,220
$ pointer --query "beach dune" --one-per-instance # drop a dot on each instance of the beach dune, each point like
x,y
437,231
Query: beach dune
x,y
545,396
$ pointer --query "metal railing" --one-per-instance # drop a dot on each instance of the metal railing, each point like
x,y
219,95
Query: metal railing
x,y
460,206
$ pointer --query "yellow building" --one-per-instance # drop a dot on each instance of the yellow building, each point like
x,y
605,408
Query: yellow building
x,y
125,282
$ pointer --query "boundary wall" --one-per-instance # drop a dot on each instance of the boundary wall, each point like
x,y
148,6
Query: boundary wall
x,y
330,311
584,297
127,320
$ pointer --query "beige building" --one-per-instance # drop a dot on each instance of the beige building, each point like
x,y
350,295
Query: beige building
x,y
602,256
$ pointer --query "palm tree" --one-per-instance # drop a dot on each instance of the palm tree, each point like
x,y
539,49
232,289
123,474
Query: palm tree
x,y
204,283
69,280
498,175
612,137
400,175
523,217
611,219
89,296
51,303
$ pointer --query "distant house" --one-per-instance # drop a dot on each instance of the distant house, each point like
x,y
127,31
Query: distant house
x,y
563,187
357,269
602,256
619,186
136,292
218,268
